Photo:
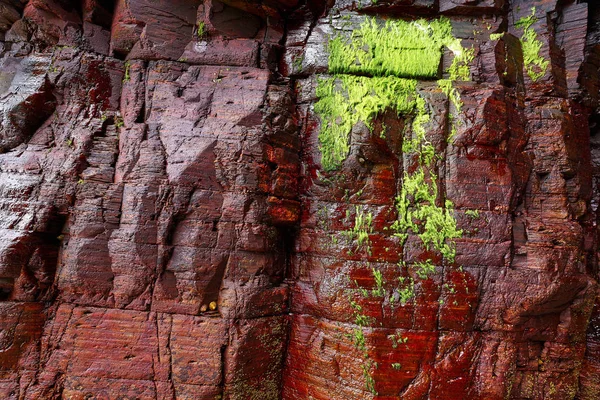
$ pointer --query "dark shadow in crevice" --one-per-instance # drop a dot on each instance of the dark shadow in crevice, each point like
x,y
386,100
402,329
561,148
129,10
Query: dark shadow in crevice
x,y
234,23
99,12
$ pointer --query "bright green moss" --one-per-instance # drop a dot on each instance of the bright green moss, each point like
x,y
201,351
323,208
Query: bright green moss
x,y
527,22
394,49
378,277
358,337
424,269
472,214
363,227
345,100
418,142
406,290
460,69
369,381
449,90
397,339
419,213
535,65
127,76
398,48
201,29
388,59
447,86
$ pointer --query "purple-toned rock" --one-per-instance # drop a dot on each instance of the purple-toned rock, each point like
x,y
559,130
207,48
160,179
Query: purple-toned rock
x,y
167,229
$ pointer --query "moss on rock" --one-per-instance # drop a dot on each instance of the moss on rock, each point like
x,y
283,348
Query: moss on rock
x,y
375,70
535,65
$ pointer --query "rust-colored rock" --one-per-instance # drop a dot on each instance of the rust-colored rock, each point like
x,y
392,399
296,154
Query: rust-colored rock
x,y
167,230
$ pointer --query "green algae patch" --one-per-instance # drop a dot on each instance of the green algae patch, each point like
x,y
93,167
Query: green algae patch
x,y
535,65
406,49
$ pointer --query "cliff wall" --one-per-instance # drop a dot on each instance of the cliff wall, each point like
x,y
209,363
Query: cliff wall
x,y
266,200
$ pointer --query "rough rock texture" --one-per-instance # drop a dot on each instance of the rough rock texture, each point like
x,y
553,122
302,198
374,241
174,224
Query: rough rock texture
x,y
167,230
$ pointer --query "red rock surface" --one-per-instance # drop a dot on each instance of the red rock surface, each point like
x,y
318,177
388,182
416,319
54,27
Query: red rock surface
x,y
165,223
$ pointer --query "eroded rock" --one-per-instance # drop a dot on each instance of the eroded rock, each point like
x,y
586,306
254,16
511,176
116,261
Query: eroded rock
x,y
168,229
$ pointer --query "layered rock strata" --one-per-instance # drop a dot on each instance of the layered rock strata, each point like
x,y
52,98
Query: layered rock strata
x,y
172,226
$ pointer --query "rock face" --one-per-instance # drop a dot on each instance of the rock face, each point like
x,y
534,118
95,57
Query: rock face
x,y
169,228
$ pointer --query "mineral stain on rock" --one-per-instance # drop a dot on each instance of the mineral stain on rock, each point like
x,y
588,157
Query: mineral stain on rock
x,y
283,199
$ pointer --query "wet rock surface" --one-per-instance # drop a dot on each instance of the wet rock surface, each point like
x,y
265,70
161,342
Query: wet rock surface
x,y
168,230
